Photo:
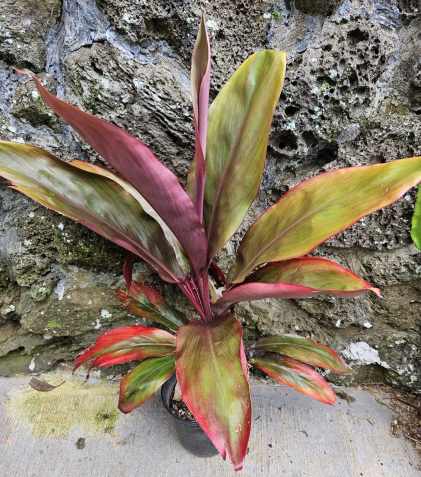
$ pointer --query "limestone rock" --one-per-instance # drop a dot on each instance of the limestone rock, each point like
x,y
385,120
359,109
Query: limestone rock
x,y
24,27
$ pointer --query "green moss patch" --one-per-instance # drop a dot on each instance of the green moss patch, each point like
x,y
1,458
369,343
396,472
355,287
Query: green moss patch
x,y
76,404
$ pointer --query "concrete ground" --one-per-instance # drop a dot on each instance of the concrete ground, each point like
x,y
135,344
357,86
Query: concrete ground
x,y
75,431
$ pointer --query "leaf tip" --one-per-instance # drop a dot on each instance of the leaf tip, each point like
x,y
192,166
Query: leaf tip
x,y
122,295
345,369
124,408
24,72
376,291
331,401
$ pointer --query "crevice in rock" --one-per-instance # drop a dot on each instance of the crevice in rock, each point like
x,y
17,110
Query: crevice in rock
x,y
82,24
357,35
326,154
287,140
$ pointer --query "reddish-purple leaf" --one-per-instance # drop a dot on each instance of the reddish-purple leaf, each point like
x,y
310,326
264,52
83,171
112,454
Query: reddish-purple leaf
x,y
127,343
200,77
260,291
297,375
213,377
135,162
129,261
218,274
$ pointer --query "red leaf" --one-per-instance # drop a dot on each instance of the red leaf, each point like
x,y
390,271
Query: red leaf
x,y
139,166
299,376
136,342
297,278
137,290
213,376
117,357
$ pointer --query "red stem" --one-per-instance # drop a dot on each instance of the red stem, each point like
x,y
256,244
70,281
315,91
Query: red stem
x,y
200,296
191,294
204,285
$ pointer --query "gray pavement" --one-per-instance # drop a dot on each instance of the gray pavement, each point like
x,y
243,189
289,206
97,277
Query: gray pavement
x,y
75,431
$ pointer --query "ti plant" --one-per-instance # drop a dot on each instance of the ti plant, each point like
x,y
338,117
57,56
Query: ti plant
x,y
143,208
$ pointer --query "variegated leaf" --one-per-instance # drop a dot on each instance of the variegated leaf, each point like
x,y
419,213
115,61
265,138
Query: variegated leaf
x,y
321,207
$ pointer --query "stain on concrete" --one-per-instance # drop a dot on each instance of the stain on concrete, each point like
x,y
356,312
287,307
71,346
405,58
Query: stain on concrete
x,y
90,407
81,443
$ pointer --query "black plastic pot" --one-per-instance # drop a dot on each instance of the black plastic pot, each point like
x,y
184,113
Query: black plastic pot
x,y
189,433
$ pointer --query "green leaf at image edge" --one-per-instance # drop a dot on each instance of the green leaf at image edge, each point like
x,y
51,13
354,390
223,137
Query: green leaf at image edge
x,y
416,221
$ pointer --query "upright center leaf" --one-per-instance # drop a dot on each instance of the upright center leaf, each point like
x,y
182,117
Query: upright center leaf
x,y
238,132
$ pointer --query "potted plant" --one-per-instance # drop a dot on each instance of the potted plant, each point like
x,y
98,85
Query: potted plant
x,y
143,208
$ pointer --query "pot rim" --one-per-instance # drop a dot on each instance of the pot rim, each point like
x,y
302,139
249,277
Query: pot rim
x,y
167,391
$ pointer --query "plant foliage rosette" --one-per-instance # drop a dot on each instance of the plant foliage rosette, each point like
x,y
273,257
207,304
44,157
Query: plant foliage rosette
x,y
143,208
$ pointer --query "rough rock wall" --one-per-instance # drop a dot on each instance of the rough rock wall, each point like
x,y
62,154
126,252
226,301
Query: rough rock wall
x,y
352,96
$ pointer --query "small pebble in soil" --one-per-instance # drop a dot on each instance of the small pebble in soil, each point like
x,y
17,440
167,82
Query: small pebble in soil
x,y
180,410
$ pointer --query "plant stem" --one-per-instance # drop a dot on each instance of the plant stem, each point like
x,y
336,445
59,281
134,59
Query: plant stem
x,y
186,288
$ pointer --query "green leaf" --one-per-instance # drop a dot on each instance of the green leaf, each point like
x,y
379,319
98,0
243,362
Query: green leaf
x,y
304,350
296,375
315,272
97,199
213,377
142,383
238,130
180,255
319,208
416,221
